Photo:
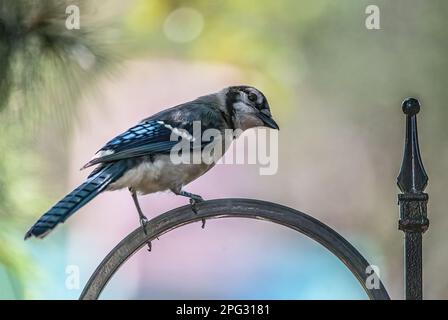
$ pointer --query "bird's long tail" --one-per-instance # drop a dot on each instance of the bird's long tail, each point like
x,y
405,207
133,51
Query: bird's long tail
x,y
95,184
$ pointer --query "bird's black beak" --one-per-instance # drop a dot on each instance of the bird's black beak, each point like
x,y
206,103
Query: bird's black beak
x,y
267,119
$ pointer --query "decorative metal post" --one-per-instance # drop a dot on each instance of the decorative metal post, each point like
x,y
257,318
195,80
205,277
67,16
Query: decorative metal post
x,y
412,181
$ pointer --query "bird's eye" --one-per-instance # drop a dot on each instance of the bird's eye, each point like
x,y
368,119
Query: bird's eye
x,y
252,97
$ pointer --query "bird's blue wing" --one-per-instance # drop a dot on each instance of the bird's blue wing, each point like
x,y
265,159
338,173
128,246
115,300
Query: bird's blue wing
x,y
145,133
147,138
143,139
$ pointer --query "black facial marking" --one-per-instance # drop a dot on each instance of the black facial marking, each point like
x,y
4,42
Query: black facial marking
x,y
252,97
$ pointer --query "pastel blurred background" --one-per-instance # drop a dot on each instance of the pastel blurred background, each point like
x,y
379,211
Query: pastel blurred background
x,y
334,87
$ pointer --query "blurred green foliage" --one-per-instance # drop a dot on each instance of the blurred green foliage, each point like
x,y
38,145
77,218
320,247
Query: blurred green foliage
x,y
45,69
45,66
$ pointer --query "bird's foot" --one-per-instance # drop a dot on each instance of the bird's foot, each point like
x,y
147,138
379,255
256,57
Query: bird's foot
x,y
143,223
195,199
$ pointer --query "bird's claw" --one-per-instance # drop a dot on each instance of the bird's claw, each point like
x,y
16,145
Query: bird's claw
x,y
193,201
143,223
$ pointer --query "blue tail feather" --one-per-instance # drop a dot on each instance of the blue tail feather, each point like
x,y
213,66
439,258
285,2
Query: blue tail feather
x,y
72,202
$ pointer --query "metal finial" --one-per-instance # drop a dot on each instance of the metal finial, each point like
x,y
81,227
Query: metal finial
x,y
411,106
412,177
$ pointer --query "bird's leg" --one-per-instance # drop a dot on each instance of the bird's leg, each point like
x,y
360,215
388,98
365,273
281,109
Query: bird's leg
x,y
142,217
194,199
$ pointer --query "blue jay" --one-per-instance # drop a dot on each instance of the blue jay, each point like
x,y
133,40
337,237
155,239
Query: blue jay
x,y
139,159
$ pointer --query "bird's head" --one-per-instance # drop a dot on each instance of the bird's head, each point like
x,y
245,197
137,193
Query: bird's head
x,y
247,107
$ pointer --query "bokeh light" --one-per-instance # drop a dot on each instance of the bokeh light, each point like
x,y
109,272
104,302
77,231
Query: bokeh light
x,y
183,25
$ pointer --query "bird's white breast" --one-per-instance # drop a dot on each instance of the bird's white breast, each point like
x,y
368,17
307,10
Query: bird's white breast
x,y
159,175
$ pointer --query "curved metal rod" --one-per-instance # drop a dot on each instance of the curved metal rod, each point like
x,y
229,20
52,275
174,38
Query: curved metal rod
x,y
241,208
